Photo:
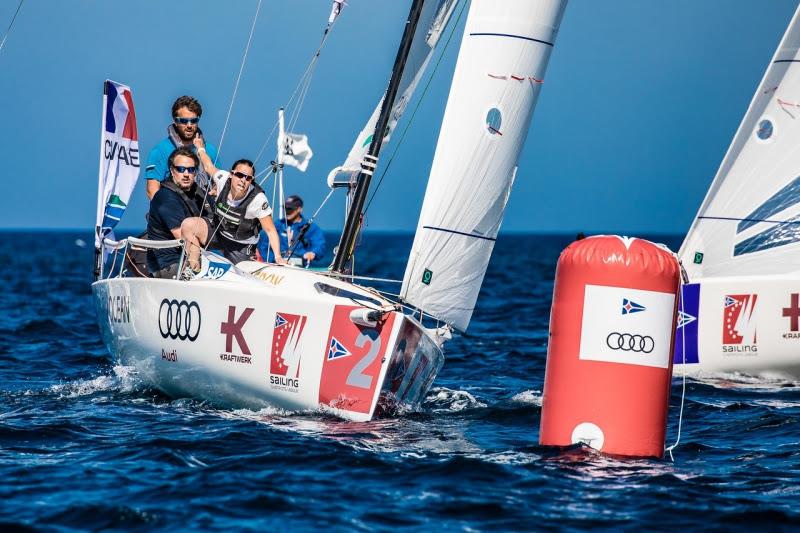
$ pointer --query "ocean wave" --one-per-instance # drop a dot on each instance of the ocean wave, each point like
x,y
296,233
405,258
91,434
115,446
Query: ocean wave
x,y
123,380
443,399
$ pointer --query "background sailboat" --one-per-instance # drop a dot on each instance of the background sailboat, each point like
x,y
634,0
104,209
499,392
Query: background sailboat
x,y
742,253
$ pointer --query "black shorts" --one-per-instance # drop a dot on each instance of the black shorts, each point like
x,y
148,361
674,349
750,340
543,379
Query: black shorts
x,y
232,250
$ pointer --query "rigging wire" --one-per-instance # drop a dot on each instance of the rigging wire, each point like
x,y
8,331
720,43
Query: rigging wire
x,y
416,108
302,87
3,42
681,285
238,79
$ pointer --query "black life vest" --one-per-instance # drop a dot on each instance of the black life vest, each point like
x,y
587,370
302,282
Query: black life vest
x,y
231,220
193,199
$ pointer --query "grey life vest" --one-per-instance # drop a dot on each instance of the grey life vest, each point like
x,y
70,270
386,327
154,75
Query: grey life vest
x,y
231,220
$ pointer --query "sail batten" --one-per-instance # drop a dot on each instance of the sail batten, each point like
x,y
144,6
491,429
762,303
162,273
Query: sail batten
x,y
748,221
501,64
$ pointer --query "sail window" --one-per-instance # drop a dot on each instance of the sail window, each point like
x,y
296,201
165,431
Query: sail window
x,y
494,120
765,129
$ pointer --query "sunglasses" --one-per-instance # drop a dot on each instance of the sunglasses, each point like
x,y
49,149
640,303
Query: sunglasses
x,y
185,121
242,175
181,170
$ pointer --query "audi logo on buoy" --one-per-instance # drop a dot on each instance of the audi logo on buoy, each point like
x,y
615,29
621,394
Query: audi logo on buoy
x,y
179,319
628,342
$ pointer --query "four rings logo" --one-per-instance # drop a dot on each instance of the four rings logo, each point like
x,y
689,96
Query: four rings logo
x,y
179,319
630,343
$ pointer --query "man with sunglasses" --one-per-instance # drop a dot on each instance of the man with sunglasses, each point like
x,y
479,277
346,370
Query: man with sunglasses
x,y
300,236
240,211
177,199
186,113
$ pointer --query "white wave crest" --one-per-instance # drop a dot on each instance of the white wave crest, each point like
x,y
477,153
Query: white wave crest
x,y
444,399
123,379
533,397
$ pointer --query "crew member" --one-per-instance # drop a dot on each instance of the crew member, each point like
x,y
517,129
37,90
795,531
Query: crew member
x,y
186,113
177,199
240,211
302,236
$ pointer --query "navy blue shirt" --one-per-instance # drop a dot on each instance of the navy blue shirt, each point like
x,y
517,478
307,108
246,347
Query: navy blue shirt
x,y
313,241
167,211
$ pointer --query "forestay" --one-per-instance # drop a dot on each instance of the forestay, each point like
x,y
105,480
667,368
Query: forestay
x,y
497,80
433,20
749,222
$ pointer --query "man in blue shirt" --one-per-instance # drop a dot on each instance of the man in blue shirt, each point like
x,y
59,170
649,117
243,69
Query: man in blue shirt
x,y
308,242
186,113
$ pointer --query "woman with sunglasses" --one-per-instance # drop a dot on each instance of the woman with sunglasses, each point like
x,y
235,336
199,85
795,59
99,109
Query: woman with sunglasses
x,y
240,212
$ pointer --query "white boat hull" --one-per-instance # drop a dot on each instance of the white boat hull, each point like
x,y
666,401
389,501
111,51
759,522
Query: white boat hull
x,y
747,325
281,340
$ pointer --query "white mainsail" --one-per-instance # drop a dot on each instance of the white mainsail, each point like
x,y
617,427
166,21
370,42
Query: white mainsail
x,y
497,80
749,222
433,20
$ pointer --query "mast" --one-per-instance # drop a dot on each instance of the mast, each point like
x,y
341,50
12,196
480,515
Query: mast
x,y
344,251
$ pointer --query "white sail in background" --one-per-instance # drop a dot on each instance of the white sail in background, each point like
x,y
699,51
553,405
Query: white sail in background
x,y
749,222
433,20
497,80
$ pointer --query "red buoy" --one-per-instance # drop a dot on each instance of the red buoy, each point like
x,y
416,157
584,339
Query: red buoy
x,y
609,363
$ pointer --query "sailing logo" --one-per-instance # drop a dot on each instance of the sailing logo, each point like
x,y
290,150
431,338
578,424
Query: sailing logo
x,y
232,329
284,360
793,314
686,333
337,350
739,324
629,306
781,230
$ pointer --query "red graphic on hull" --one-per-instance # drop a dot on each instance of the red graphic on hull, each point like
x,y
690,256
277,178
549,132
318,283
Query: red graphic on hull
x,y
738,319
286,350
352,362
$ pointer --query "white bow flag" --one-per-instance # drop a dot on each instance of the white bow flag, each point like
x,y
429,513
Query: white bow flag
x,y
295,151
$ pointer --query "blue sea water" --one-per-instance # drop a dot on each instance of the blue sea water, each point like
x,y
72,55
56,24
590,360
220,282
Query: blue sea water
x,y
84,446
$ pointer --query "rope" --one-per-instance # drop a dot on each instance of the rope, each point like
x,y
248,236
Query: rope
x,y
238,79
683,370
416,108
308,224
302,86
3,42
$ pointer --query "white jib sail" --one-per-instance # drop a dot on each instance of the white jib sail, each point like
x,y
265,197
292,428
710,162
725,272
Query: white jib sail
x,y
497,80
749,222
119,158
433,20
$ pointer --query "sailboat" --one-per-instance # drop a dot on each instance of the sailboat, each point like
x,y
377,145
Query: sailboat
x,y
741,310
254,335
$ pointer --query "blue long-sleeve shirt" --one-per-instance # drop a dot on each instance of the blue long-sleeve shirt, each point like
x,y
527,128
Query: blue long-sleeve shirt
x,y
313,240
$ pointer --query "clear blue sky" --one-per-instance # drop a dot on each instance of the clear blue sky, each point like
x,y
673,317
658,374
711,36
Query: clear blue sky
x,y
640,102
